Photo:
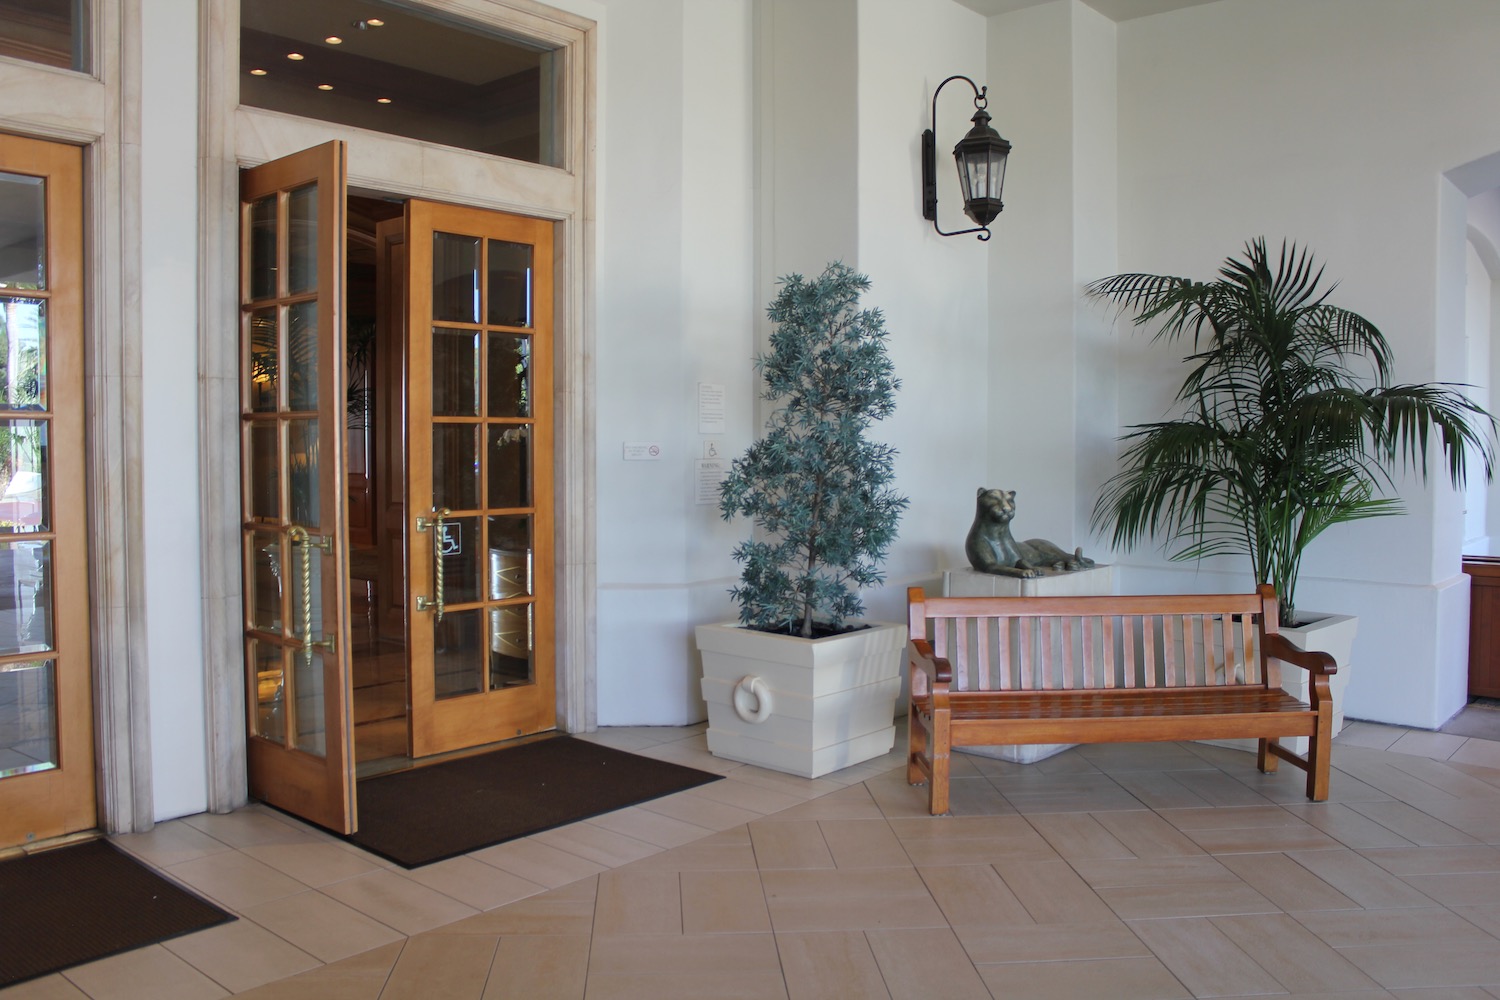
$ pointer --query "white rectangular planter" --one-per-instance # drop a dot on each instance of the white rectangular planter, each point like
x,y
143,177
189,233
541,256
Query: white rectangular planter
x,y
803,706
1331,634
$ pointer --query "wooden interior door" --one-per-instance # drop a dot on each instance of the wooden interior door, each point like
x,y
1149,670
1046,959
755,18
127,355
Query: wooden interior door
x,y
46,691
1484,625
293,483
479,476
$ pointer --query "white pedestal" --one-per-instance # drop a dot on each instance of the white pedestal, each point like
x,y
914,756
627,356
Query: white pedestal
x,y
973,583
1084,582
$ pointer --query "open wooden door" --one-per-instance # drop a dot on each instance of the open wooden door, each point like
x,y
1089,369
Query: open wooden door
x,y
294,537
479,479
46,689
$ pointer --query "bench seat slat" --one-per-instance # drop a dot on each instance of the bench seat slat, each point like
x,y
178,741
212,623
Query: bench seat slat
x,y
1056,703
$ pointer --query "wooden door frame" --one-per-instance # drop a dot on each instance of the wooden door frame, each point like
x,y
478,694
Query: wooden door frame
x,y
232,137
89,110
62,799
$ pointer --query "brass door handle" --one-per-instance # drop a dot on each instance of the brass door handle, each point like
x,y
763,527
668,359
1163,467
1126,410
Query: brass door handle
x,y
299,536
434,604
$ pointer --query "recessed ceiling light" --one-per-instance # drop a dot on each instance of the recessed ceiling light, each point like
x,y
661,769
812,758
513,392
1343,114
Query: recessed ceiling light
x,y
334,40
295,56
375,22
325,86
257,72
382,100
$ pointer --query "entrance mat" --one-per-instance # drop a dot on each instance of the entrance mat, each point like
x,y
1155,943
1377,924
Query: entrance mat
x,y
443,810
1479,719
75,904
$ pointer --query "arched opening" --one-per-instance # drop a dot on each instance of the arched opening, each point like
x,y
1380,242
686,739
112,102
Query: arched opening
x,y
1481,274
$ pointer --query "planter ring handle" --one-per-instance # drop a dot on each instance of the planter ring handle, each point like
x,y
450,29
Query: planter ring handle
x,y
752,687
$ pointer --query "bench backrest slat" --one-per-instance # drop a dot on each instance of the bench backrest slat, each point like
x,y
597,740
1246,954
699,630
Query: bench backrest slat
x,y
1228,674
1169,648
1090,660
1174,641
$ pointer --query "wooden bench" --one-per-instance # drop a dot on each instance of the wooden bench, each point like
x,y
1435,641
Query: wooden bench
x,y
1022,670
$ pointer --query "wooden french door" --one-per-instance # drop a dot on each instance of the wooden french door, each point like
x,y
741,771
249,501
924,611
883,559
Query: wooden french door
x,y
479,485
294,537
46,691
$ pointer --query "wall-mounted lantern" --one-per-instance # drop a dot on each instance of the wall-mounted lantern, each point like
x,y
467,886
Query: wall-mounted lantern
x,y
981,156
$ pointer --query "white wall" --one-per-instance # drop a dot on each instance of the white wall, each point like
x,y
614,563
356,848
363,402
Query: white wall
x,y
170,421
744,142
932,289
675,308
1272,117
1052,365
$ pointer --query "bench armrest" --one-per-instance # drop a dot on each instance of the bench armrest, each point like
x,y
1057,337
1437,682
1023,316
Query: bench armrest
x,y
928,673
1313,661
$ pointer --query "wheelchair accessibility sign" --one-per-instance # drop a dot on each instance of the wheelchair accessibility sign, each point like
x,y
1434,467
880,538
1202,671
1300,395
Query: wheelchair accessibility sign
x,y
452,539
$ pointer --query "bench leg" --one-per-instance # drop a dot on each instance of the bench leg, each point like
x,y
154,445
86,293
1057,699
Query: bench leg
x,y
916,745
937,788
1319,750
1264,758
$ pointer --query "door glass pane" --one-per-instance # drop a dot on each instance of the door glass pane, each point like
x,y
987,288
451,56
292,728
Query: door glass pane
x,y
455,373
302,356
460,560
23,355
509,375
25,505
455,466
269,665
455,278
265,581
307,685
264,472
263,249
510,459
23,258
28,718
302,472
457,659
510,557
511,646
265,367
302,240
509,284
25,597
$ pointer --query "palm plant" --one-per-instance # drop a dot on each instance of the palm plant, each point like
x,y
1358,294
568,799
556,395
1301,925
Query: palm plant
x,y
1279,438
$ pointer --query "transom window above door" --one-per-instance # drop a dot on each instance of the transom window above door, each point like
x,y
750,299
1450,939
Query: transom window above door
x,y
50,32
403,71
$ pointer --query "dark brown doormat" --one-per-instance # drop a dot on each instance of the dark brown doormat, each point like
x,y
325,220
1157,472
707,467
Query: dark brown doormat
x,y
443,810
87,901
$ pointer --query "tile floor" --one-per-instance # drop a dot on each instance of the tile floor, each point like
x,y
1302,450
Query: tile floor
x,y
1140,870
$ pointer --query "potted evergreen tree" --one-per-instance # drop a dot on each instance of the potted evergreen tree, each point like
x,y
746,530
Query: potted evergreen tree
x,y
796,685
1279,438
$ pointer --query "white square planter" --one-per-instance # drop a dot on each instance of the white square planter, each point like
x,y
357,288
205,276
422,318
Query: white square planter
x,y
803,706
1331,634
